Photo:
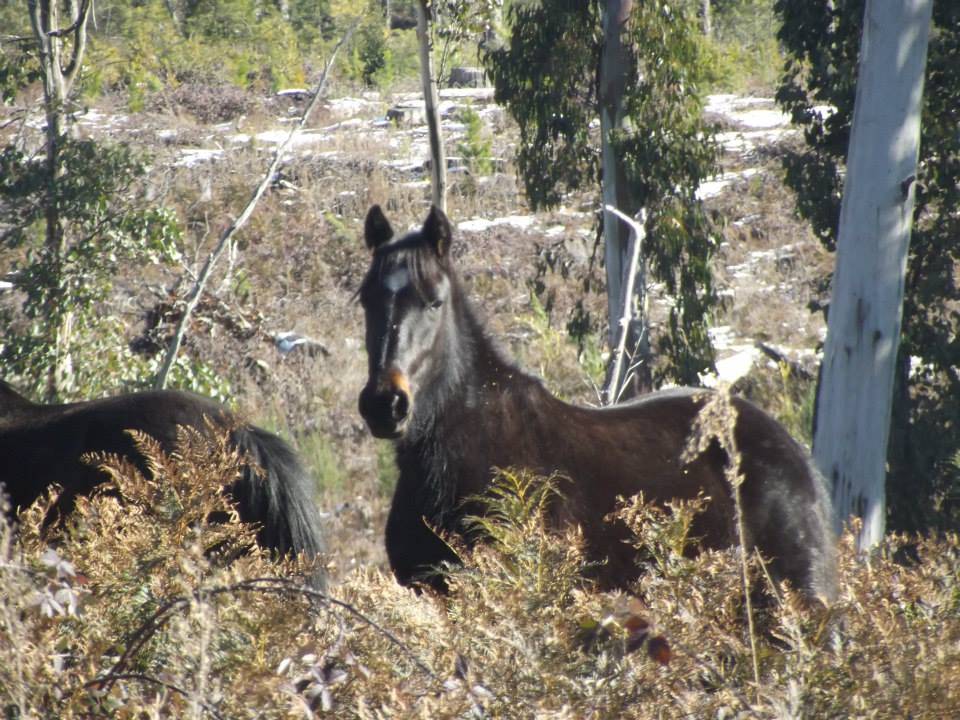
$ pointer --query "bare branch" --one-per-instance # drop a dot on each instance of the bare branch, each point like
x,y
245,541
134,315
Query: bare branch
x,y
79,31
156,681
80,20
268,585
198,288
611,390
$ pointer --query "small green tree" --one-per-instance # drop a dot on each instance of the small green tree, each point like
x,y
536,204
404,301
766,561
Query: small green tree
x,y
548,74
71,220
475,147
104,227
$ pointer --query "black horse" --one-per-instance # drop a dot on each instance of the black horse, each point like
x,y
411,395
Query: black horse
x,y
43,444
456,408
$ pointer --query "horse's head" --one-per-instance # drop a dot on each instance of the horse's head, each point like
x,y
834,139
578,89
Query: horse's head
x,y
404,297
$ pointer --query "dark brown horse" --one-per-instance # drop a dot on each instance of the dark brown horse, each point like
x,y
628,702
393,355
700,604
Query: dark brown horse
x,y
456,408
43,444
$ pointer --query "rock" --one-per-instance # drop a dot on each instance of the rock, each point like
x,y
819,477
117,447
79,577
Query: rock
x,y
407,115
467,77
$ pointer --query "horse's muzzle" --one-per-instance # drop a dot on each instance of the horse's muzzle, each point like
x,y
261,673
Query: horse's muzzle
x,y
386,406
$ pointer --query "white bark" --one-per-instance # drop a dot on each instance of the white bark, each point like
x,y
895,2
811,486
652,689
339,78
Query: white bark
x,y
438,159
615,378
614,63
856,386
612,83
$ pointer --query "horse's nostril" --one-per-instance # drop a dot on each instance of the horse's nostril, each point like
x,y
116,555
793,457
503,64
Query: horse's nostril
x,y
399,406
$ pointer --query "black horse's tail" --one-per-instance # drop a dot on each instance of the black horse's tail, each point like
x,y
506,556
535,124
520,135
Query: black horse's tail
x,y
276,491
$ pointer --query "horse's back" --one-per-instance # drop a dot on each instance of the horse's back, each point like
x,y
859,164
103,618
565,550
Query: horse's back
x,y
43,444
648,445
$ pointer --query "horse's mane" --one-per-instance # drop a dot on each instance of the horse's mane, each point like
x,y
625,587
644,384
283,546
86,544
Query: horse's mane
x,y
11,401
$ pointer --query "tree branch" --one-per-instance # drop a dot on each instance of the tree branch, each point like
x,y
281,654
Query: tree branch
x,y
169,686
201,282
613,386
81,20
79,31
268,585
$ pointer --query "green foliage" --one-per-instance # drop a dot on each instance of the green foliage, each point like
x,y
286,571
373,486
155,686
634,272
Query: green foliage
x,y
547,77
311,20
373,54
379,57
823,40
94,198
105,227
143,49
547,350
668,151
18,68
787,394
475,147
257,47
742,54
387,471
458,28
512,516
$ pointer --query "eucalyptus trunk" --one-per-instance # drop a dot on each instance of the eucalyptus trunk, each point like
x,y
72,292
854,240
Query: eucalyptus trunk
x,y
614,67
856,386
438,160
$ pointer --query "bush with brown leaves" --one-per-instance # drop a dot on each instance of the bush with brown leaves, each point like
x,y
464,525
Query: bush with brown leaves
x,y
135,611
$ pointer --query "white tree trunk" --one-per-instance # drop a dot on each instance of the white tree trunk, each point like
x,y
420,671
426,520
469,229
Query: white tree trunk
x,y
438,159
612,83
856,385
614,63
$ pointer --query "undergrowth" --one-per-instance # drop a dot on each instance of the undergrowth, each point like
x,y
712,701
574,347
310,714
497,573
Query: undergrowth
x,y
143,607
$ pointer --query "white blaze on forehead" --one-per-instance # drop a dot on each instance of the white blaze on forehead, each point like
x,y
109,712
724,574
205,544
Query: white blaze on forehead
x,y
397,279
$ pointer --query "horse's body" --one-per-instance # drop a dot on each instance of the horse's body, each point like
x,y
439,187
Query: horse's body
x,y
42,445
456,408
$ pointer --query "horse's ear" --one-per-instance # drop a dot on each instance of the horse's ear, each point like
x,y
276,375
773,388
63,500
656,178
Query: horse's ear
x,y
376,228
437,231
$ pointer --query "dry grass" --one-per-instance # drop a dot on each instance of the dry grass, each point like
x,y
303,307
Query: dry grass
x,y
132,613
523,635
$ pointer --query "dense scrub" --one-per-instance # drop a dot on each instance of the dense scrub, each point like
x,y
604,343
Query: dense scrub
x,y
133,612
128,614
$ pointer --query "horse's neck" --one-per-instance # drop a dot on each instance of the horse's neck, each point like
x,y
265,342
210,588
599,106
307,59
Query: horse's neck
x,y
467,411
477,370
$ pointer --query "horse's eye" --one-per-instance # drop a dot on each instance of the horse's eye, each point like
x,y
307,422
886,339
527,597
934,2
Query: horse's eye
x,y
435,305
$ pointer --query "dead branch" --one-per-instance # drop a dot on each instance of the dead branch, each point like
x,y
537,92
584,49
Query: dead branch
x,y
201,282
267,585
611,389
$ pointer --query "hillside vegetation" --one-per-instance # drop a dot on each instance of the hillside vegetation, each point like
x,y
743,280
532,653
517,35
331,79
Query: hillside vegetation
x,y
132,615
133,610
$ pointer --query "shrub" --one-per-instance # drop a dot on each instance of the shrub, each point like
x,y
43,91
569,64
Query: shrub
x,y
103,228
136,612
475,146
208,103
